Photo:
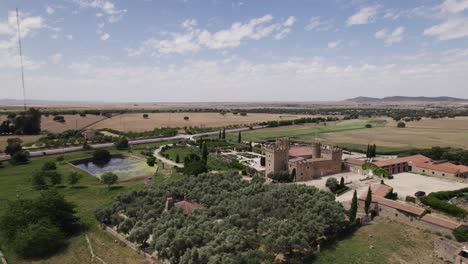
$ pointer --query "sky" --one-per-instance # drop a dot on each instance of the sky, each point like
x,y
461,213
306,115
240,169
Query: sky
x,y
233,51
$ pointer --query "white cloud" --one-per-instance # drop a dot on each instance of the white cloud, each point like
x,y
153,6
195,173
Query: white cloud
x,y
28,25
454,6
289,21
193,39
334,44
69,37
108,8
50,10
105,36
453,28
365,15
282,34
189,23
317,24
56,58
390,37
241,80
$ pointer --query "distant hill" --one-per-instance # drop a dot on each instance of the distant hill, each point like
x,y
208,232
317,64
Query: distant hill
x,y
402,99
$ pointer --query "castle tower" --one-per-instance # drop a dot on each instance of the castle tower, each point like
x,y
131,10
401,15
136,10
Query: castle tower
x,y
277,156
316,150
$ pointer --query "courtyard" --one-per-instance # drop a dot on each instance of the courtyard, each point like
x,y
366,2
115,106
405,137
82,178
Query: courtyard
x,y
403,183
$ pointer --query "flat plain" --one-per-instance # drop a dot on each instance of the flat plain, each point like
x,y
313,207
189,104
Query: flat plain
x,y
136,122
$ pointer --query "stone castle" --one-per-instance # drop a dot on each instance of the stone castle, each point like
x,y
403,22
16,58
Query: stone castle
x,y
309,161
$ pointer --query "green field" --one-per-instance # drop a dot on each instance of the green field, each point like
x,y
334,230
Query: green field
x,y
306,132
15,182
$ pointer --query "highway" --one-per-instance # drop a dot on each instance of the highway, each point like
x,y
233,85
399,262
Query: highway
x,y
45,152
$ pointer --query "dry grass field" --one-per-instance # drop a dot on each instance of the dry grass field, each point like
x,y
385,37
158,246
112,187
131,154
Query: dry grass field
x,y
444,132
26,140
458,123
71,122
136,122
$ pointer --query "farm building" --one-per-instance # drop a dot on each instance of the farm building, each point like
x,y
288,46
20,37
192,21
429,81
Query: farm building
x,y
417,164
308,161
407,213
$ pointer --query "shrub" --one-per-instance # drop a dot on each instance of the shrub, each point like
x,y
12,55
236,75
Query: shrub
x,y
109,178
332,184
186,118
122,143
280,176
461,234
145,116
60,158
401,125
38,240
368,126
410,199
101,156
49,165
37,227
74,178
151,161
434,202
18,158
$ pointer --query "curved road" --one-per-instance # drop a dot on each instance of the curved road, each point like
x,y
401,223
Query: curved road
x,y
46,152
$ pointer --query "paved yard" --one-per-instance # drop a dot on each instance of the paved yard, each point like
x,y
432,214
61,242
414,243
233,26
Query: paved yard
x,y
403,183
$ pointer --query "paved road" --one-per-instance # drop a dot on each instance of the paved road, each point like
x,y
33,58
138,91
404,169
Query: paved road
x,y
131,142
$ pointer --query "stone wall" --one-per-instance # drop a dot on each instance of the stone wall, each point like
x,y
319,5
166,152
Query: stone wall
x,y
407,218
312,169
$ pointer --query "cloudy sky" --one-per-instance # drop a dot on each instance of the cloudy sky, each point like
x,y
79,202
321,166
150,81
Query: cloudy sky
x,y
220,50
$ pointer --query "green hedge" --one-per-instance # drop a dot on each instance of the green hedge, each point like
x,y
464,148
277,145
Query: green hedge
x,y
461,234
434,201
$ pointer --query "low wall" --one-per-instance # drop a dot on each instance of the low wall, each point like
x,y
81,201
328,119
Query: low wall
x,y
409,219
130,244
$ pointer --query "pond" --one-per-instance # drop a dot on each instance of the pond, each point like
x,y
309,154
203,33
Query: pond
x,y
125,167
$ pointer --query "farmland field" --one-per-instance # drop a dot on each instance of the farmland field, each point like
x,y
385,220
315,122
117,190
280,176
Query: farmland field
x,y
400,138
384,133
307,132
136,122
71,122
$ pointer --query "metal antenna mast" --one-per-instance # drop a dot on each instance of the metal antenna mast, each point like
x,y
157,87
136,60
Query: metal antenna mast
x,y
21,58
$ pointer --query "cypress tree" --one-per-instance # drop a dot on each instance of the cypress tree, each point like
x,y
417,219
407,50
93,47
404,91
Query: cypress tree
x,y
224,133
239,137
354,206
374,151
205,153
177,158
342,182
219,135
250,146
368,151
201,143
368,201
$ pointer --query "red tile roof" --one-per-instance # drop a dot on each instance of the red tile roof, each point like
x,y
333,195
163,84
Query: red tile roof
x,y
414,158
379,190
398,205
187,206
440,221
443,167
298,151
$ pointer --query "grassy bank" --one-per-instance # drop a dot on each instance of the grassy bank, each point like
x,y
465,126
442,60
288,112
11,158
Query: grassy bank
x,y
15,182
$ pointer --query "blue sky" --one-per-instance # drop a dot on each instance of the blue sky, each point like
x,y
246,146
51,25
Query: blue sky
x,y
215,50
